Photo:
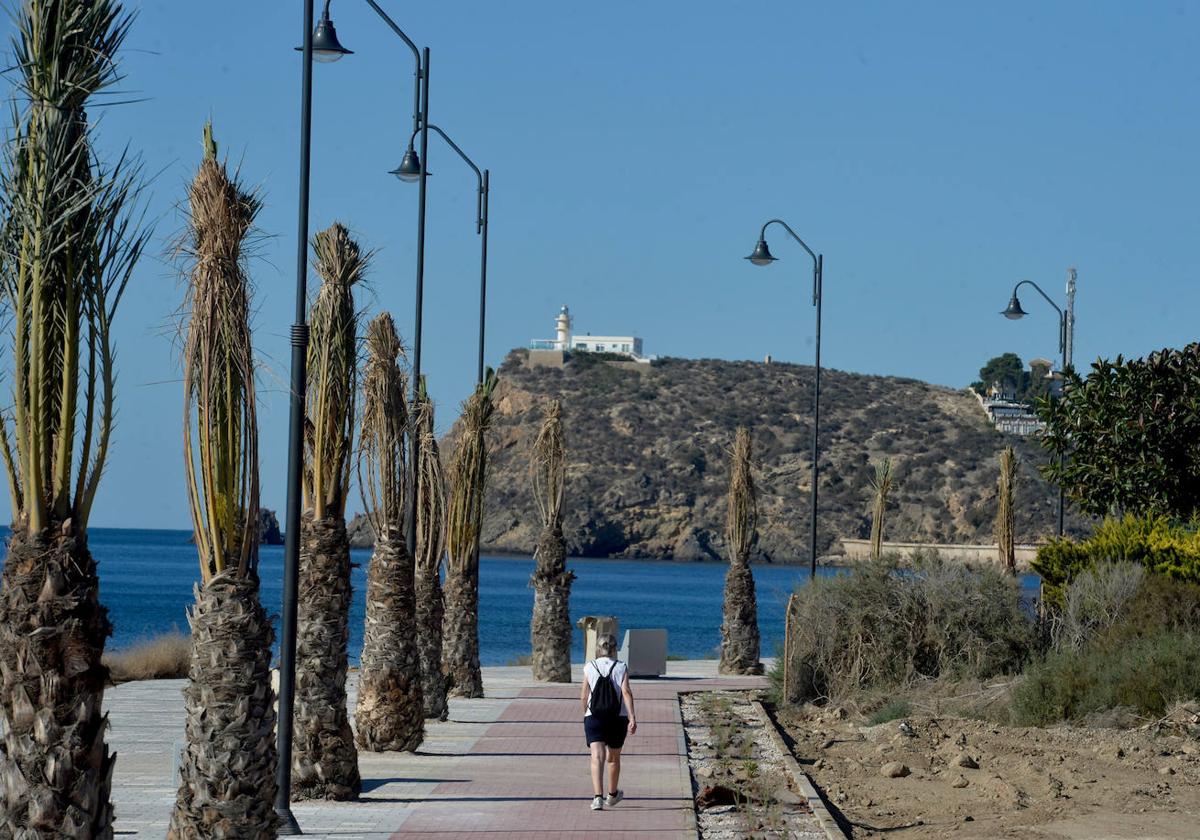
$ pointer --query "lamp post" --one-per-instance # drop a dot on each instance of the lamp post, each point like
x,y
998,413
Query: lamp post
x,y
410,169
322,44
1066,323
762,256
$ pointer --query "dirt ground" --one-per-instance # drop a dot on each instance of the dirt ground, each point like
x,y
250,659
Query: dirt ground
x,y
930,776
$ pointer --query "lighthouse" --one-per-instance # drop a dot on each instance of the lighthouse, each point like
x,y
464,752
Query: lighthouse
x,y
562,324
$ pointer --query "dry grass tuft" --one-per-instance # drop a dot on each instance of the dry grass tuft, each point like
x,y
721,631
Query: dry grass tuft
x,y
164,657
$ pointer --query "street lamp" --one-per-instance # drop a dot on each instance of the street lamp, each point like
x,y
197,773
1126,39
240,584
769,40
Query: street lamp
x,y
762,256
1066,320
321,44
409,168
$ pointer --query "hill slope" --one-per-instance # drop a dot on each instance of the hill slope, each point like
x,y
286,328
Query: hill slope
x,y
648,469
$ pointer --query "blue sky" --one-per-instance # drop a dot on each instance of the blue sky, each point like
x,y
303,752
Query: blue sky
x,y
936,153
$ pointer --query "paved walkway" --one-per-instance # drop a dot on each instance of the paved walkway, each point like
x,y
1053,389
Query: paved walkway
x,y
511,765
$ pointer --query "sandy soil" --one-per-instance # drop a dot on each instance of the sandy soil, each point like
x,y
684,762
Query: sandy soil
x,y
1062,782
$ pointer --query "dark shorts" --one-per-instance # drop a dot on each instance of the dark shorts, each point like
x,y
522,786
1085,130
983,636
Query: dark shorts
x,y
611,731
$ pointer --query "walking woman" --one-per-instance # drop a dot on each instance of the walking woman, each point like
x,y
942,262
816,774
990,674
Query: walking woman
x,y
608,716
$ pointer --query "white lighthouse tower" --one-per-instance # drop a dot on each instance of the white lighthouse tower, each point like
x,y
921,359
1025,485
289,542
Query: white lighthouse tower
x,y
562,325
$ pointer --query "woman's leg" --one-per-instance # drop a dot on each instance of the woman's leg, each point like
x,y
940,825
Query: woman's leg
x,y
614,768
598,750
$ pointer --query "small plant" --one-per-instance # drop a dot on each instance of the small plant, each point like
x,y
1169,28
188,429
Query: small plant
x,y
1094,602
894,710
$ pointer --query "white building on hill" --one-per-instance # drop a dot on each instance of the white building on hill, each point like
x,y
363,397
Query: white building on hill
x,y
565,340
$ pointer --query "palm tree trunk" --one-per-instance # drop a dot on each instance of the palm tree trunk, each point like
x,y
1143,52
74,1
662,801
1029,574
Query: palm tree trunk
x,y
227,771
55,767
739,630
431,611
325,764
550,632
391,712
460,632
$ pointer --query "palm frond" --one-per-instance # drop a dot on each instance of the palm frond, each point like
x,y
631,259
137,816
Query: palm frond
x,y
468,472
220,425
332,371
742,515
382,476
431,487
548,466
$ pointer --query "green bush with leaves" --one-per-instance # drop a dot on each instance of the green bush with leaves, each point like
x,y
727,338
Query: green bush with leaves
x,y
1155,542
1131,434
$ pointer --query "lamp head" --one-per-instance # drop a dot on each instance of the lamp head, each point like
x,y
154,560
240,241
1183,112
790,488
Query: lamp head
x,y
762,254
1014,311
325,44
410,167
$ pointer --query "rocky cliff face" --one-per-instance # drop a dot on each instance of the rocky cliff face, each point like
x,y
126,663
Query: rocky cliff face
x,y
648,465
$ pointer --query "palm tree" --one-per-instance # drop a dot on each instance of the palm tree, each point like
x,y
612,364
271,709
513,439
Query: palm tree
x,y
739,630
1005,513
550,630
69,240
325,759
468,474
881,484
431,546
390,713
227,771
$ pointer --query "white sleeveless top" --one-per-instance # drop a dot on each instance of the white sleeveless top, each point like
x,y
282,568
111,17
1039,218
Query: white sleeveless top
x,y
617,675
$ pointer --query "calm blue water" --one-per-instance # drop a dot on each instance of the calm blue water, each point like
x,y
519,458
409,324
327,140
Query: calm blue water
x,y
146,579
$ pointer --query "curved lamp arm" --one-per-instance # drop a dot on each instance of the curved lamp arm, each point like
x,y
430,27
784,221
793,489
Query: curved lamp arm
x,y
816,263
469,162
1062,317
417,74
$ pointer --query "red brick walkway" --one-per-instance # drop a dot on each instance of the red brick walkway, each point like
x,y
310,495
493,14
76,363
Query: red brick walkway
x,y
527,774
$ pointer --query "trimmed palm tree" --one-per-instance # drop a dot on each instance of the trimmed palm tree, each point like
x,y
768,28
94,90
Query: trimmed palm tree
x,y
550,629
325,761
468,476
227,770
68,243
390,714
1005,511
739,629
431,547
881,486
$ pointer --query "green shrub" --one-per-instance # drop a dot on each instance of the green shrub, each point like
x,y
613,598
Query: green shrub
x,y
1146,661
897,708
1147,674
1154,542
881,628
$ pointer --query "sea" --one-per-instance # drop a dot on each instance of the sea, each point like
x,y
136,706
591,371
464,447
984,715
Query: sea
x,y
147,578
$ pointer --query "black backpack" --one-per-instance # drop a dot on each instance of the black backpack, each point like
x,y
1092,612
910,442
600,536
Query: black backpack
x,y
606,702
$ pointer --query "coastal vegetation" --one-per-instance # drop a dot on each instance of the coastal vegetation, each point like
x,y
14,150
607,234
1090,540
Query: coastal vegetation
x,y
163,657
550,629
430,547
325,761
69,239
739,628
390,713
1129,432
227,770
464,517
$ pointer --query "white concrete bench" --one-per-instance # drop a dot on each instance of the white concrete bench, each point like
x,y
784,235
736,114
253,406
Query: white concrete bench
x,y
646,652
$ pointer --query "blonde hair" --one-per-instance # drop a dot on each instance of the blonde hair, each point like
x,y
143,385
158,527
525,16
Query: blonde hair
x,y
606,645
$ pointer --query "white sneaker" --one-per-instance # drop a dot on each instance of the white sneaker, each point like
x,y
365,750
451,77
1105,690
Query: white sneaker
x,y
614,797
597,803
